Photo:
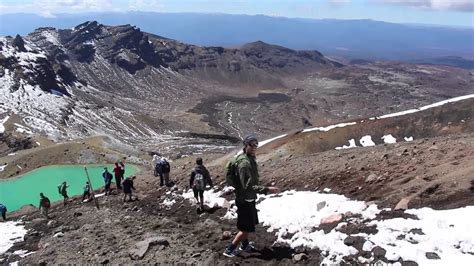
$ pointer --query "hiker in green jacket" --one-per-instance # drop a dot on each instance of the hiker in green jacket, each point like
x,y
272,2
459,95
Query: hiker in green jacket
x,y
245,196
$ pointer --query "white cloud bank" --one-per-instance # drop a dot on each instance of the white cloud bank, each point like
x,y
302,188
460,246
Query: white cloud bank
x,y
451,5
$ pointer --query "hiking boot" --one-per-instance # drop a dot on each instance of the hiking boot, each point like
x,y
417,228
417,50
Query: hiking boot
x,y
249,248
230,253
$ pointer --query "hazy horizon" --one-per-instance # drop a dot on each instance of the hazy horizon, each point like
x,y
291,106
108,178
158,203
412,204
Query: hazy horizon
x,y
459,13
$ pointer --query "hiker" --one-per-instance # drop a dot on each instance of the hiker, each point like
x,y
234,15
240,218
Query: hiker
x,y
245,195
118,175
107,180
44,205
200,178
87,192
122,166
156,163
159,170
62,189
3,210
127,188
165,169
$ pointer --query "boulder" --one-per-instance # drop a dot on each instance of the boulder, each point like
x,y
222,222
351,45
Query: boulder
x,y
402,204
334,218
320,205
59,234
349,241
300,257
432,256
379,252
226,235
371,178
137,252
52,223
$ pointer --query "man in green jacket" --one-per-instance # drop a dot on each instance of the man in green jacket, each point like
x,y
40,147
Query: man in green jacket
x,y
245,196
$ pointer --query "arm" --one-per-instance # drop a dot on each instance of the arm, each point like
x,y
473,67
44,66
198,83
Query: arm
x,y
191,180
208,178
247,181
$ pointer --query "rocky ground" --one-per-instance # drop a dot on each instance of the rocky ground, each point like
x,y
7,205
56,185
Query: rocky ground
x,y
428,172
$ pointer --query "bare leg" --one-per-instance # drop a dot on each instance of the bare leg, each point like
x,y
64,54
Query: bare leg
x,y
241,235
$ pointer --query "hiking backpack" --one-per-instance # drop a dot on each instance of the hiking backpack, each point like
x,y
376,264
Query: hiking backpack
x,y
231,171
199,183
165,168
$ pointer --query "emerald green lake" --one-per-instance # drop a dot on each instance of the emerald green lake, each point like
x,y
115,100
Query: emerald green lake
x,y
25,189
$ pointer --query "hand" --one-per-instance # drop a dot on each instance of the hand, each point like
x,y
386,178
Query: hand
x,y
273,190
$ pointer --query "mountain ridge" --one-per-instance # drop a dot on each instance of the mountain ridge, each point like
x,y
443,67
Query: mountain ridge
x,y
394,41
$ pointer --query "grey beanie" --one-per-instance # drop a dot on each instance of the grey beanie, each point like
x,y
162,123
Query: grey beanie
x,y
249,138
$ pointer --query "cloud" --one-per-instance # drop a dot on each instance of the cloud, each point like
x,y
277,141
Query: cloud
x,y
148,5
47,14
46,8
77,5
448,5
340,1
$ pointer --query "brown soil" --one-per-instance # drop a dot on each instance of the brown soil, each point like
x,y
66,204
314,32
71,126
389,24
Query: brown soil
x,y
433,172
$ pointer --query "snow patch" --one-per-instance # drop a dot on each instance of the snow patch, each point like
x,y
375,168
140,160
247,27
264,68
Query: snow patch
x,y
366,141
329,127
23,253
447,233
389,139
2,167
51,37
212,198
408,138
3,121
11,233
411,111
352,144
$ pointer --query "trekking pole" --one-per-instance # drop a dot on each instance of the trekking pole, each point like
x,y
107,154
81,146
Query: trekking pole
x,y
92,190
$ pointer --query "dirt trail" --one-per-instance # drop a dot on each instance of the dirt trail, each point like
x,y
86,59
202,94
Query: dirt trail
x,y
433,172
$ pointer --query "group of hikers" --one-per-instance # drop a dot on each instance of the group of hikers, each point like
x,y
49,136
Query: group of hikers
x,y
241,173
124,184
199,181
162,168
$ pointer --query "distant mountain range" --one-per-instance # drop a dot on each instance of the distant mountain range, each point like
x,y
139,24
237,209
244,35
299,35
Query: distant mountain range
x,y
353,39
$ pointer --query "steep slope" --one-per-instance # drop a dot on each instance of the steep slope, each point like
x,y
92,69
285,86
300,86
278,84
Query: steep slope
x,y
156,92
96,79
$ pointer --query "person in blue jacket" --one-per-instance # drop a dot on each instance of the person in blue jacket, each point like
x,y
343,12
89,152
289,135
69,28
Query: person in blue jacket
x,y
3,210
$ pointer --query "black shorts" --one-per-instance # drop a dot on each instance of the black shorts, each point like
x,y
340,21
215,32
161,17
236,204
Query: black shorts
x,y
198,193
247,216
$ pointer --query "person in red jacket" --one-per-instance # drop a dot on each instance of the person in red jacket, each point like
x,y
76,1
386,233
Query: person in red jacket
x,y
118,172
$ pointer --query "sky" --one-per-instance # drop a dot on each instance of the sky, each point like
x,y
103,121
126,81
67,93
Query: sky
x,y
438,12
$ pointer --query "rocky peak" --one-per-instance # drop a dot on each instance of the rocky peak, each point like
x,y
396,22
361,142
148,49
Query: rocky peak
x,y
260,47
88,26
19,43
268,56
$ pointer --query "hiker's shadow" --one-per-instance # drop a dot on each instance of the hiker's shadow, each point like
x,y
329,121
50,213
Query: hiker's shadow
x,y
274,253
208,210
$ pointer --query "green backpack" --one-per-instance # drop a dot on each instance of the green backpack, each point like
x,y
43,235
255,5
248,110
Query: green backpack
x,y
231,171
